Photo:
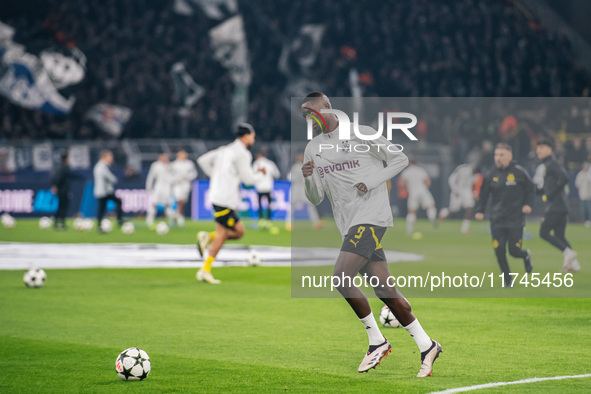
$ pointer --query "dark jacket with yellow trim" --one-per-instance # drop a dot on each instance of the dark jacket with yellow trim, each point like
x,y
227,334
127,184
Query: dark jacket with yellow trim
x,y
555,179
509,189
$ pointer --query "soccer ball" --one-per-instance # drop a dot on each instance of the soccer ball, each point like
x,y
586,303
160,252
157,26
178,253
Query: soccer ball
x,y
387,318
87,224
106,225
34,277
253,259
133,364
45,223
127,228
417,236
7,220
79,224
161,228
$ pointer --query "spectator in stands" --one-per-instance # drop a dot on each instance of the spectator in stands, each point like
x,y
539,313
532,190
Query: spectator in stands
x,y
576,154
402,48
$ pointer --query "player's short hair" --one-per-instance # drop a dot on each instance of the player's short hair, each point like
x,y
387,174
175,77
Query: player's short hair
x,y
64,156
104,153
502,145
243,129
547,142
312,96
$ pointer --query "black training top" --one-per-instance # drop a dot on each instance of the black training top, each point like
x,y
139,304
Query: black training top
x,y
555,179
62,179
511,188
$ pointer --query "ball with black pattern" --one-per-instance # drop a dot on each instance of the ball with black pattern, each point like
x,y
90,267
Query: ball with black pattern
x,y
388,319
133,364
34,278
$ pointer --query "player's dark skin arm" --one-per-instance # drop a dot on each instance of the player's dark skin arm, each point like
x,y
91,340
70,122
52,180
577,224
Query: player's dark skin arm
x,y
308,168
361,186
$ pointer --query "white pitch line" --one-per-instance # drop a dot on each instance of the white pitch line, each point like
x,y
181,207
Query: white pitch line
x,y
497,384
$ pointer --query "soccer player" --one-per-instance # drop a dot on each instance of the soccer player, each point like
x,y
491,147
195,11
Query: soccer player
x,y
512,194
104,187
583,184
355,184
461,182
183,173
416,180
264,184
159,186
60,186
227,167
555,217
298,196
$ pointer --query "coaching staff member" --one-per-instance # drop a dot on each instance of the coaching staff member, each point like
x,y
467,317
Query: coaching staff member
x,y
553,224
60,186
512,193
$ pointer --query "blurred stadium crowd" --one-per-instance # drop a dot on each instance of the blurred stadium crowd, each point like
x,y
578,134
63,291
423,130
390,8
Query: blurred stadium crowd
x,y
396,48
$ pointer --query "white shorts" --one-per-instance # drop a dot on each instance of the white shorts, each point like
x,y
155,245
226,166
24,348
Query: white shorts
x,y
422,200
160,197
463,199
181,191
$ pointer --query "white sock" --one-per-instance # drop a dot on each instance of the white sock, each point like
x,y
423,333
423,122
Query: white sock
x,y
180,220
151,214
568,252
465,226
373,332
171,215
419,335
410,223
432,213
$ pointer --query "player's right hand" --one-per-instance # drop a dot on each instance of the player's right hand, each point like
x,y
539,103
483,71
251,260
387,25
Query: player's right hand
x,y
479,216
308,168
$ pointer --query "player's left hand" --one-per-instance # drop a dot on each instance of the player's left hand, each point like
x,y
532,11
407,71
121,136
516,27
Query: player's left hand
x,y
526,209
361,186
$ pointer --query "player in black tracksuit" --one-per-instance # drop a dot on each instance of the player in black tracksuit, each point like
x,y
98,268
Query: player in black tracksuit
x,y
554,196
512,194
60,185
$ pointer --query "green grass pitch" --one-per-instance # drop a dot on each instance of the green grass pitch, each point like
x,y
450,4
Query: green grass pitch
x,y
249,335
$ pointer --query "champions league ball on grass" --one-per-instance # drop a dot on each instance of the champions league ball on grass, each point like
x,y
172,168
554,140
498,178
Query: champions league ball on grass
x,y
127,228
162,228
133,364
87,224
34,278
45,223
387,318
78,224
253,259
106,225
7,220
